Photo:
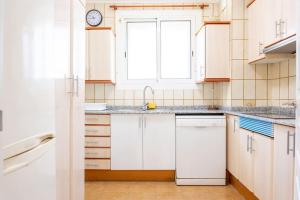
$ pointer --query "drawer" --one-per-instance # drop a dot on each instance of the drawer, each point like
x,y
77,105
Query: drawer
x,y
97,119
97,130
97,153
97,164
97,141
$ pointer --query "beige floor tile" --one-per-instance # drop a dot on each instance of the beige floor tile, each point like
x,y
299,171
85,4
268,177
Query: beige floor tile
x,y
157,191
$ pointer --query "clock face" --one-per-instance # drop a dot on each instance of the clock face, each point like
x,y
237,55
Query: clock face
x,y
94,17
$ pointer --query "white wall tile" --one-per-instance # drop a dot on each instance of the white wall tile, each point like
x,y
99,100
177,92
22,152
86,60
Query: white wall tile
x,y
99,91
237,89
249,89
237,69
261,89
89,91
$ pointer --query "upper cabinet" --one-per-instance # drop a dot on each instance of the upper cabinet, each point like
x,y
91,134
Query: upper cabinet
x,y
269,21
213,50
100,66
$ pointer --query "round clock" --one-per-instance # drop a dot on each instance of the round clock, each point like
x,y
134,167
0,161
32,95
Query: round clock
x,y
94,17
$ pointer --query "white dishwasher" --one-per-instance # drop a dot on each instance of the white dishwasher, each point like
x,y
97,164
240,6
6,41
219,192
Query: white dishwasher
x,y
200,150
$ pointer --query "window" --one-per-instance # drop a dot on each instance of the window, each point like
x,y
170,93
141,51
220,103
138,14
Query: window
x,y
156,50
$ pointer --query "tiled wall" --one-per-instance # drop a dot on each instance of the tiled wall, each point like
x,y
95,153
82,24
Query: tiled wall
x,y
251,85
205,94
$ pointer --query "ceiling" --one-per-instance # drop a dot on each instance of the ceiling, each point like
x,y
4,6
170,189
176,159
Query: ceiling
x,y
153,1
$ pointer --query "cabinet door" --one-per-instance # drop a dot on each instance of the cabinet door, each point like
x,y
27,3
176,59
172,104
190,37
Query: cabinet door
x,y
159,142
233,141
262,148
283,162
217,43
271,18
246,172
126,142
289,17
100,55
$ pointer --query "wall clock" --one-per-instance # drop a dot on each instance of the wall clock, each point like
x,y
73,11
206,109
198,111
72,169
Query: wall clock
x,y
94,17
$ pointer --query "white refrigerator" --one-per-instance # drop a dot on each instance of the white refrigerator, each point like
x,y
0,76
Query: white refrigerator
x,y
41,99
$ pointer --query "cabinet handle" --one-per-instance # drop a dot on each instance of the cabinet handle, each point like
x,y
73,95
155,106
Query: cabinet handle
x,y
277,24
247,143
251,144
282,27
288,149
260,49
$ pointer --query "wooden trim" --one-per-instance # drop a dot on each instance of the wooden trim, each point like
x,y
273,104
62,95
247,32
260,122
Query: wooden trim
x,y
97,147
256,60
98,28
97,158
95,113
214,80
212,23
250,3
97,136
97,124
100,81
241,188
277,41
130,175
201,6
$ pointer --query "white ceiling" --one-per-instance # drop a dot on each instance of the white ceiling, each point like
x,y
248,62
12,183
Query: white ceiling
x,y
153,1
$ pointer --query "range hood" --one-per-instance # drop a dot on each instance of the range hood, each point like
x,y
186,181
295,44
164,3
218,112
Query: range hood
x,y
284,46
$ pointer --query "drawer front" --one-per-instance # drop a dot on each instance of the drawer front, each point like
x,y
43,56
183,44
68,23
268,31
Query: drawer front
x,y
97,119
97,153
97,130
97,164
97,141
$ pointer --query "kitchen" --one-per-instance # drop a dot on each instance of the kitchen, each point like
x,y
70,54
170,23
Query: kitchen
x,y
149,99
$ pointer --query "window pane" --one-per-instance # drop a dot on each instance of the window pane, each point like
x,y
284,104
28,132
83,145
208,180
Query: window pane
x,y
176,49
141,50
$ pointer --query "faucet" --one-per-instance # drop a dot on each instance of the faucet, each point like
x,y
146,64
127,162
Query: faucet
x,y
144,107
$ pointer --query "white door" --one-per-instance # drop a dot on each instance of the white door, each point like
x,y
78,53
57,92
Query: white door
x,y
262,149
126,142
246,171
283,162
159,141
27,92
233,145
77,104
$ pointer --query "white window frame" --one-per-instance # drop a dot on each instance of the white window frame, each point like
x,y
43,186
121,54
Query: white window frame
x,y
124,16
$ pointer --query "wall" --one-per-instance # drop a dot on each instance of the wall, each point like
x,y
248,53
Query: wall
x,y
251,85
205,94
254,85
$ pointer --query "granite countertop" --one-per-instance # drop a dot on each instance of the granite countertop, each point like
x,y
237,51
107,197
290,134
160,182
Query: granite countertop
x,y
238,111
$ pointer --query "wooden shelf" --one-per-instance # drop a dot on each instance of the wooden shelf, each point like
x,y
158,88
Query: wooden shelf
x,y
205,23
213,80
249,3
100,81
201,6
98,28
271,58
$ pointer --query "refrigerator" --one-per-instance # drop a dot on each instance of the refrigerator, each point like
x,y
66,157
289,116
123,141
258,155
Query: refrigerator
x,y
41,99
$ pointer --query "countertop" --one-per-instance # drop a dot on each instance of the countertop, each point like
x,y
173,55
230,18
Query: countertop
x,y
238,111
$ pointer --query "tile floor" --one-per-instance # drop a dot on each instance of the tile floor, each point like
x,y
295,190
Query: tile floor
x,y
157,191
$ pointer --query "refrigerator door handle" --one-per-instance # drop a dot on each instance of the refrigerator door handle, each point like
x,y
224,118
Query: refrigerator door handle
x,y
20,160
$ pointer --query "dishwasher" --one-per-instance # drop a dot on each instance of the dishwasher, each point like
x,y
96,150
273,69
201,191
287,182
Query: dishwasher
x,y
200,149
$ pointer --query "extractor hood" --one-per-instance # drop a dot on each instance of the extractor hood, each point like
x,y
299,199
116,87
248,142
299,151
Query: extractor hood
x,y
286,45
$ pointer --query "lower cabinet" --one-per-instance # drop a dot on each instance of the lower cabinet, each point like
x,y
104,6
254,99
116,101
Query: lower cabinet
x,y
284,152
142,141
256,163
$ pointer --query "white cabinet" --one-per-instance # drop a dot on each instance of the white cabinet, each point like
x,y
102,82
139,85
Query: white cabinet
x,y
284,138
100,64
256,163
262,150
126,142
142,141
246,159
213,42
233,147
268,22
159,141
